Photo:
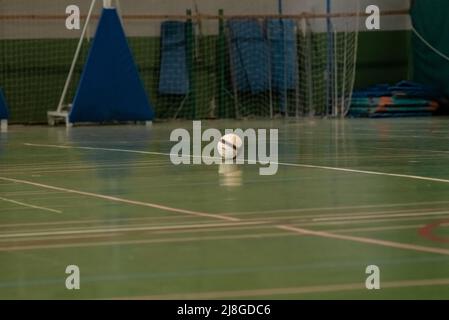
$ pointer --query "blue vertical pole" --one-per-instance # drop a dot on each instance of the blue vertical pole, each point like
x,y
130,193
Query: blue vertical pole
x,y
283,94
330,50
279,6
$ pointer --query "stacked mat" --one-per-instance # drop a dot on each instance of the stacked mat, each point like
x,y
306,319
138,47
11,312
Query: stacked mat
x,y
249,56
284,63
263,56
405,99
174,79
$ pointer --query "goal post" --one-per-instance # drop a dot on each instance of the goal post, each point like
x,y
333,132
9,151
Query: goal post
x,y
110,88
231,62
62,110
254,66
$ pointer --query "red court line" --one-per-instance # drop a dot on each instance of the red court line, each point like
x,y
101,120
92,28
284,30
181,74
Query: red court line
x,y
428,232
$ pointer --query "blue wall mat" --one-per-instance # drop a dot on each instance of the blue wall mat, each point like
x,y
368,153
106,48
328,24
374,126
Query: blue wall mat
x,y
284,61
110,88
432,24
250,56
174,77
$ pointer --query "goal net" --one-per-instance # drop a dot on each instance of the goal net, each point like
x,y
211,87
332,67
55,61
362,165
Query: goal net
x,y
198,59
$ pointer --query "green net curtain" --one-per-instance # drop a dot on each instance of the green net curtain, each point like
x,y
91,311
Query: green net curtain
x,y
431,22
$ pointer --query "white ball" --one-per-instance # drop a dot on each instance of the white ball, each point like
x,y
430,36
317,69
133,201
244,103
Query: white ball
x,y
229,146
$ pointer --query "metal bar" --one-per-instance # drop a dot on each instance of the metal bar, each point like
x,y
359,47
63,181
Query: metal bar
x,y
221,44
304,15
329,66
75,58
190,47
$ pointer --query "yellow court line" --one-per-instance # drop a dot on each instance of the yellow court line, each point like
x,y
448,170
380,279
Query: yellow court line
x,y
82,169
141,241
265,221
289,291
94,221
29,205
208,229
370,206
360,222
177,229
109,230
122,200
375,216
58,238
173,224
171,217
309,221
166,233
384,243
352,215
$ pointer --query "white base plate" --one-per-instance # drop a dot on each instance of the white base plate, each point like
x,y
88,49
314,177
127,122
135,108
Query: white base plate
x,y
56,116
3,125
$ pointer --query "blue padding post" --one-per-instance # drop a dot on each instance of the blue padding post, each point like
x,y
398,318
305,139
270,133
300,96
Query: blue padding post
x,y
250,56
110,88
4,114
174,78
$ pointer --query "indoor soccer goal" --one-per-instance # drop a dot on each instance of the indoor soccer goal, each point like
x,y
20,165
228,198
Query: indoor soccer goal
x,y
203,59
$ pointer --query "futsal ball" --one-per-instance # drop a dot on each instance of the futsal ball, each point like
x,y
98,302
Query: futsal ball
x,y
229,146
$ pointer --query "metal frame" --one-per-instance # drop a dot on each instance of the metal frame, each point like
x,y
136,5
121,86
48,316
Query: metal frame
x,y
62,111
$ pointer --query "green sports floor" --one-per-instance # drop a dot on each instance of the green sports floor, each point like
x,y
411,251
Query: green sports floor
x,y
348,194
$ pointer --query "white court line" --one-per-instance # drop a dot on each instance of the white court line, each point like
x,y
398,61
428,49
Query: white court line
x,y
30,205
122,200
384,243
378,173
406,136
96,149
414,150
